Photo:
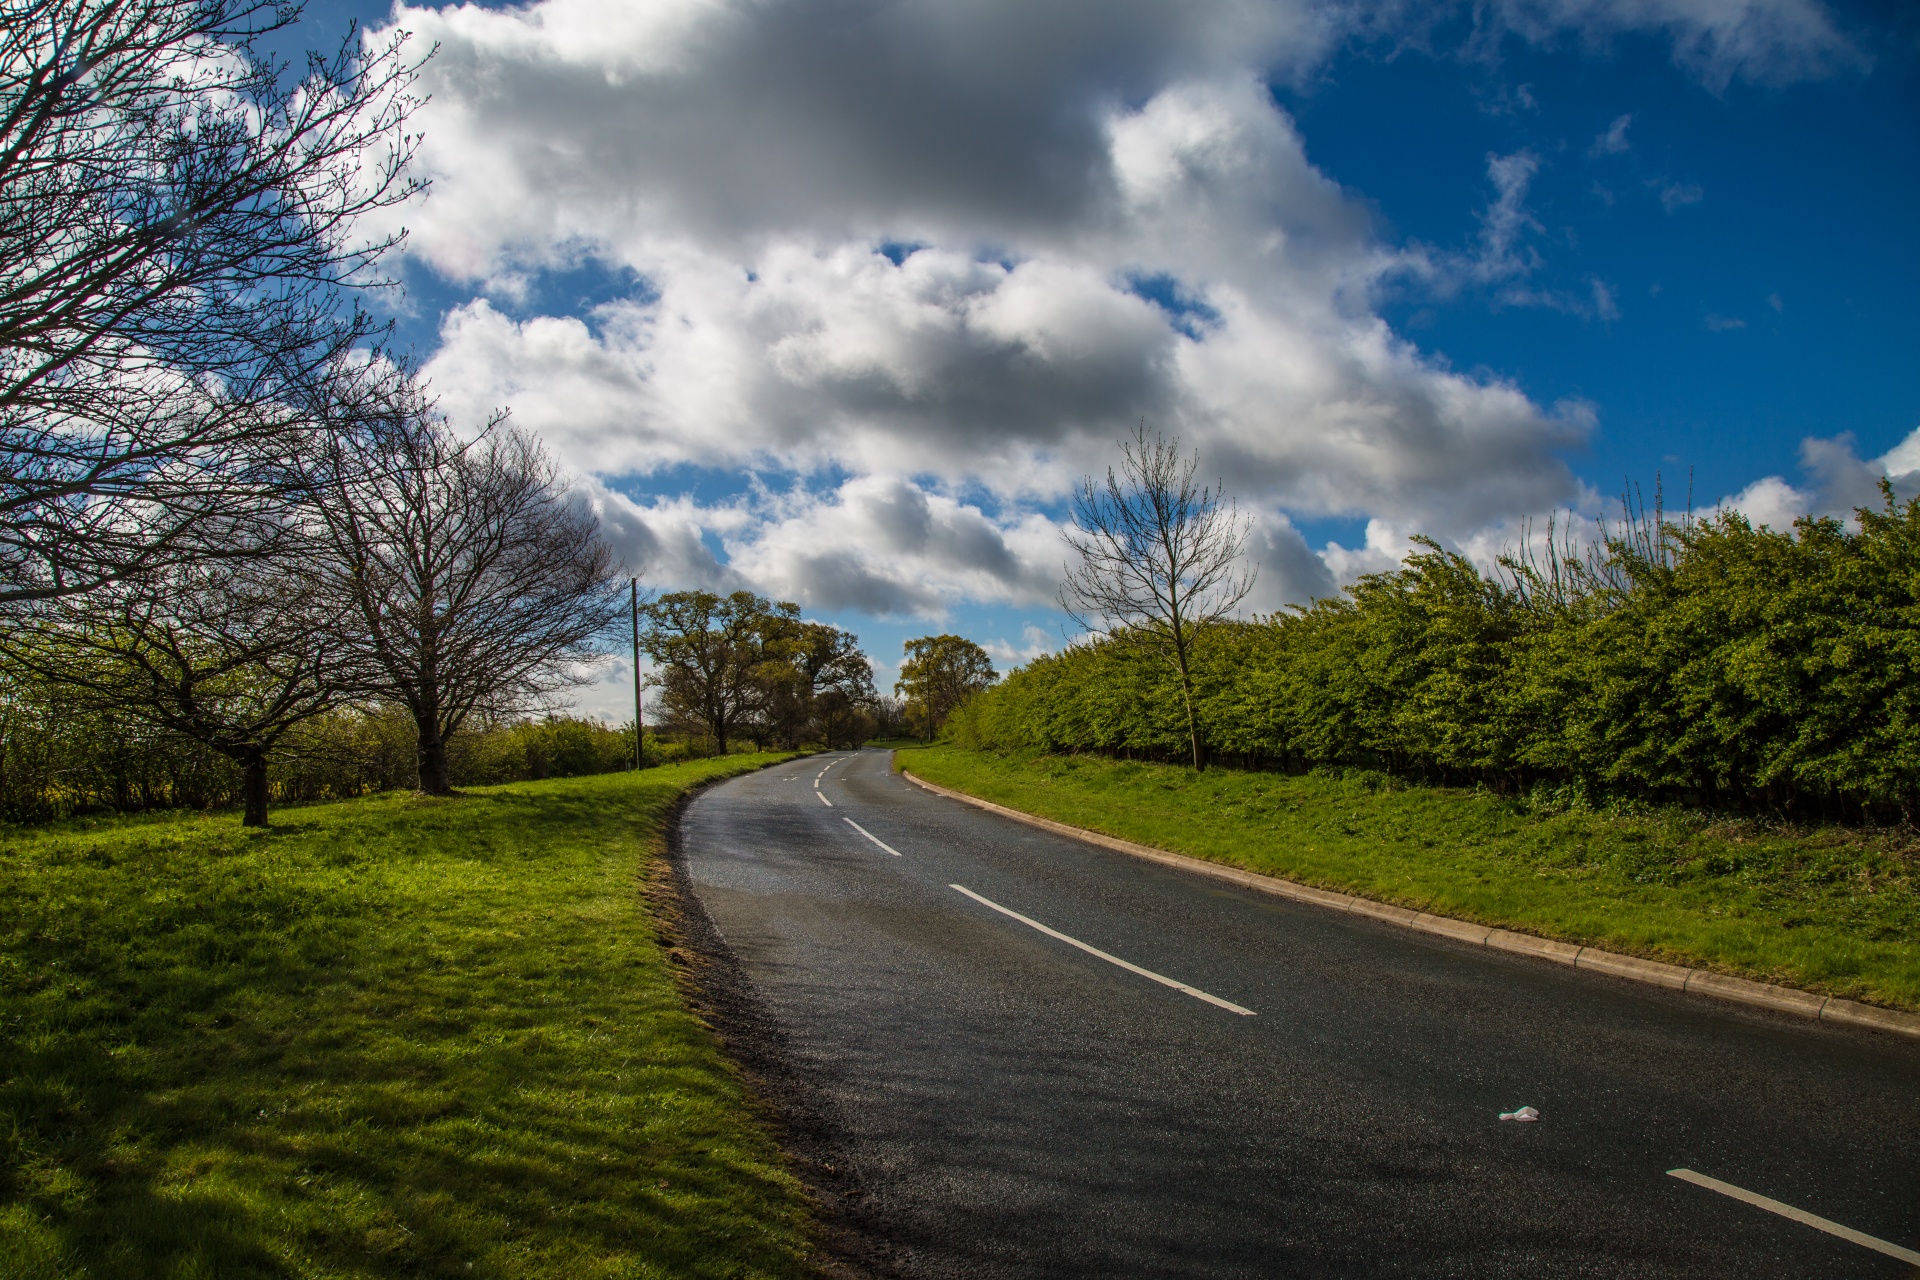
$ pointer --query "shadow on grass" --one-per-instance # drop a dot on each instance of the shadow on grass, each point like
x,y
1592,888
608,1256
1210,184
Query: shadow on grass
x,y
388,1037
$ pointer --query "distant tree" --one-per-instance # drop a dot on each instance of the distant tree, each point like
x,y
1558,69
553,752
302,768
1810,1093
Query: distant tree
x,y
709,651
940,673
232,654
837,679
179,229
889,717
1158,559
467,577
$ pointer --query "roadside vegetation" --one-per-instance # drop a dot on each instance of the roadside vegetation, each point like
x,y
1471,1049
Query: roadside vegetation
x,y
1703,662
1833,909
1693,739
937,674
396,1035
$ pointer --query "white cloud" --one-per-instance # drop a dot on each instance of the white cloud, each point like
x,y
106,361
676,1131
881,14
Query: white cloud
x,y
1383,549
1507,221
883,546
1613,140
915,249
1766,41
876,544
1678,195
1838,481
1034,643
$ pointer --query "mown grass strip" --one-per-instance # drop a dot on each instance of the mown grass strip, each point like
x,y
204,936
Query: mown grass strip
x,y
392,1036
1837,911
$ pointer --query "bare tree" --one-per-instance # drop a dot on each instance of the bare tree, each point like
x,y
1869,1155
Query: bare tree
x,y
1159,558
230,654
179,238
466,574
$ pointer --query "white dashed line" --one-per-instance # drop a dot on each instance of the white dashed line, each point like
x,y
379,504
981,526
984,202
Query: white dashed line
x,y
1813,1220
1162,979
822,799
869,835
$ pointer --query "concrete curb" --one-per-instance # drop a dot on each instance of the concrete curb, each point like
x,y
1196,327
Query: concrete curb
x,y
1764,995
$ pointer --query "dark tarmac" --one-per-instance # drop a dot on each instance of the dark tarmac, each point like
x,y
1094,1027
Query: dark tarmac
x,y
1011,1105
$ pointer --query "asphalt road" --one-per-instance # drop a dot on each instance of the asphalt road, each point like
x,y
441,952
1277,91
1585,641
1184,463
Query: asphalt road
x,y
1017,1106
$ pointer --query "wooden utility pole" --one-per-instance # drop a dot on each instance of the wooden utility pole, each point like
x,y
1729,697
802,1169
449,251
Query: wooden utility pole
x,y
639,730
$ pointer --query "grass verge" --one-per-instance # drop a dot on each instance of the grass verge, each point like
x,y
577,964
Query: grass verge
x,y
1831,910
392,1036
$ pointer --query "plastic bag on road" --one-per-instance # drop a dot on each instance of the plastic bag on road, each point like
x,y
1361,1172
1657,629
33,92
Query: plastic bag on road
x,y
1525,1115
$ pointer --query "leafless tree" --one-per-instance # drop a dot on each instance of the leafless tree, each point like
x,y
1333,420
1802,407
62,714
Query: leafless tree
x,y
468,576
180,238
231,654
1159,558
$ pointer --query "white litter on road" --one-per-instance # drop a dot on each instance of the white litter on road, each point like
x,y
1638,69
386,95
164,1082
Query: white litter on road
x,y
1525,1115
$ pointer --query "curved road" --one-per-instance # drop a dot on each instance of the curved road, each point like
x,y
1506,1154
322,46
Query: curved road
x,y
1018,1104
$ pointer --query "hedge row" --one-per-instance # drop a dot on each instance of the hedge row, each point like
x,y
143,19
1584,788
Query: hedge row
x,y
1704,661
59,758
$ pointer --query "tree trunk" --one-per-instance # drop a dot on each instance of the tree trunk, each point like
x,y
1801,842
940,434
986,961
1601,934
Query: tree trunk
x,y
253,788
432,755
1186,695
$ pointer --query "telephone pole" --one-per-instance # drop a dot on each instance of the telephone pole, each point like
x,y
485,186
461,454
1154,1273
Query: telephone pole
x,y
639,730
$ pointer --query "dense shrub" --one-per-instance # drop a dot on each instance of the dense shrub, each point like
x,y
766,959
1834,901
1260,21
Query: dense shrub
x,y
1705,661
57,758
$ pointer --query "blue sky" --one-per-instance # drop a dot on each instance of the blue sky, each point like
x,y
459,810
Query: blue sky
x,y
833,299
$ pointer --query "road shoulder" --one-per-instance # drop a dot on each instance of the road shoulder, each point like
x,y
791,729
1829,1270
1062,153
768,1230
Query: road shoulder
x,y
716,987
1771,996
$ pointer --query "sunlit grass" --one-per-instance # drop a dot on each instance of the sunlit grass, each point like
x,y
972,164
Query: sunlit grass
x,y
388,1037
1834,910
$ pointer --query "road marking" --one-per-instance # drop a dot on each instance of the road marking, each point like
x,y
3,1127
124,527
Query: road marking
x,y
822,799
1813,1220
1130,967
869,835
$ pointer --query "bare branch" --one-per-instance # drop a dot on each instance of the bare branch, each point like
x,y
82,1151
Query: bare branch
x,y
179,235
465,572
1159,557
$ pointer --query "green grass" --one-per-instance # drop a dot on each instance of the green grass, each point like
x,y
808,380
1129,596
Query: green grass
x,y
389,1037
1833,910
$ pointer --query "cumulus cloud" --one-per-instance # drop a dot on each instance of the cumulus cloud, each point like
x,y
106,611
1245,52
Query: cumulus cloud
x,y
925,249
1837,481
1765,41
1034,643
880,545
884,546
1288,571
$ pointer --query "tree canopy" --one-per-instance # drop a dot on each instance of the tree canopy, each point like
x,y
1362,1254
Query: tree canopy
x,y
940,673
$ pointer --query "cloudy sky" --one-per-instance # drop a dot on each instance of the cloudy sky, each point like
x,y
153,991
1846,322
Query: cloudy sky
x,y
834,299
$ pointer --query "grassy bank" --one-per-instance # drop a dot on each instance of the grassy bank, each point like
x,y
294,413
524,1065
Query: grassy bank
x,y
391,1036
1833,910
